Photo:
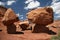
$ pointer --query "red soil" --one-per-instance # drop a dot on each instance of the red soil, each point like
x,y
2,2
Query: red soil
x,y
28,35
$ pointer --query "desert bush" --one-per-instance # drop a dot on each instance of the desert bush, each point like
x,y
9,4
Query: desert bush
x,y
56,37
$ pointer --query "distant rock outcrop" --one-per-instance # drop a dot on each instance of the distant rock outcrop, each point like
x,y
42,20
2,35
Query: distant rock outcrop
x,y
41,16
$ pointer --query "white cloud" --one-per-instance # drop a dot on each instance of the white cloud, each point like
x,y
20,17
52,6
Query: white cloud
x,y
2,3
54,1
28,1
21,17
10,2
18,14
58,16
56,7
31,4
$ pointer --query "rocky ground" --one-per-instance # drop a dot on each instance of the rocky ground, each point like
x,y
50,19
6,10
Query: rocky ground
x,y
28,35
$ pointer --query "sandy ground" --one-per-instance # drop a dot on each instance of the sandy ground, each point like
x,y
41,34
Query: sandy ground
x,y
27,35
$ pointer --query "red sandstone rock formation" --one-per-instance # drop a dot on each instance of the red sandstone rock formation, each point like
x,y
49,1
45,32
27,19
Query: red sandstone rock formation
x,y
24,24
2,12
9,18
41,16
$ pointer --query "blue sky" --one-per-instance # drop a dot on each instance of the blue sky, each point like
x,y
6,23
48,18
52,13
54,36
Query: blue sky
x,y
21,7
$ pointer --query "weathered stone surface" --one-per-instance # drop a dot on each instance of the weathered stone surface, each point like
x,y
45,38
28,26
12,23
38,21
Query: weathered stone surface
x,y
41,16
2,12
2,27
17,24
9,18
24,25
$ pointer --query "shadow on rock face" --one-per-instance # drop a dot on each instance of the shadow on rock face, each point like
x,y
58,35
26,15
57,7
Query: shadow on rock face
x,y
42,29
16,33
11,29
19,33
52,32
24,27
29,28
0,30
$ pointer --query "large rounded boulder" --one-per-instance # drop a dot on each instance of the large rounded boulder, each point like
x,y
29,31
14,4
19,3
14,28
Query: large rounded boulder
x,y
41,16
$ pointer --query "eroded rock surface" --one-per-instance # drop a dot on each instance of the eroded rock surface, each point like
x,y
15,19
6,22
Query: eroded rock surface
x,y
9,18
2,12
24,24
41,16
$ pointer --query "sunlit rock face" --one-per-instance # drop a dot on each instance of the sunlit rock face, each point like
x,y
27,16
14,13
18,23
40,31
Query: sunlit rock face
x,y
10,16
42,16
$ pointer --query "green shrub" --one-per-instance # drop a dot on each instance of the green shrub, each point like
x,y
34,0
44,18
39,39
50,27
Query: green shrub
x,y
56,37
